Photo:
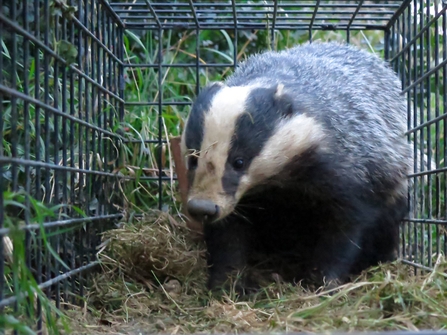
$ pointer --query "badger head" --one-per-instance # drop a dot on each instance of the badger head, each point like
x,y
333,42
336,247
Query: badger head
x,y
238,137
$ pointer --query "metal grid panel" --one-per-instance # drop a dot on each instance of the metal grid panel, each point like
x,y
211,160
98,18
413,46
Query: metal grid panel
x,y
281,14
419,54
61,103
410,28
48,92
195,20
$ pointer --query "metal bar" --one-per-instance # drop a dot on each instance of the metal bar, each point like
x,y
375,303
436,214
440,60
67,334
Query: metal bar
x,y
417,265
2,182
69,144
191,4
275,16
359,6
382,15
94,37
142,141
398,13
427,221
228,19
422,30
47,165
312,22
427,74
47,284
53,264
387,45
104,147
426,173
98,29
437,134
162,178
14,112
160,118
37,146
410,199
172,103
402,251
337,4
428,139
45,105
257,26
236,32
63,223
51,53
197,60
444,123
112,12
152,11
84,192
27,144
180,65
226,22
415,122
73,139
45,262
422,143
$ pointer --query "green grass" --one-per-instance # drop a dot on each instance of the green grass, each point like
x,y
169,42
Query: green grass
x,y
19,276
36,195
158,286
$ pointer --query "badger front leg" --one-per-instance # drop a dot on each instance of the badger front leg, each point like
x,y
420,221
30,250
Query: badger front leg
x,y
340,245
227,255
335,254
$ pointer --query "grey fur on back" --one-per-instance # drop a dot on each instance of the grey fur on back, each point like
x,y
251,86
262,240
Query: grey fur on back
x,y
353,93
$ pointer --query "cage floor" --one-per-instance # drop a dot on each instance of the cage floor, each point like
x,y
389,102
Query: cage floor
x,y
149,286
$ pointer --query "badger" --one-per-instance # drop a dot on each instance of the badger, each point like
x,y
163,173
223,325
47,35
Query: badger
x,y
297,164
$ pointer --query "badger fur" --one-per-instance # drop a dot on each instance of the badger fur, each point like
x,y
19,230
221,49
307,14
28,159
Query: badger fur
x,y
297,164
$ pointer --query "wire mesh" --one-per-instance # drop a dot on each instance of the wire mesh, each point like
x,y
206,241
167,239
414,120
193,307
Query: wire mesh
x,y
409,27
302,14
61,107
70,95
180,37
420,58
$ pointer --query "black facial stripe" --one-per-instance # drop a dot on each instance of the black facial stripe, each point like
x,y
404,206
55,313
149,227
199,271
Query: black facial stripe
x,y
252,131
190,174
194,127
201,106
230,179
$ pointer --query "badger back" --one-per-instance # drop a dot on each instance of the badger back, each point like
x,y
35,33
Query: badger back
x,y
322,97
359,100
240,136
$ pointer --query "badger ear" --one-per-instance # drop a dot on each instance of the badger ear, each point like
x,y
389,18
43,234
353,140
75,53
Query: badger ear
x,y
283,101
216,84
279,90
211,87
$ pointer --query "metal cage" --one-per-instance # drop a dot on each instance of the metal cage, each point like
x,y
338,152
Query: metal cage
x,y
69,90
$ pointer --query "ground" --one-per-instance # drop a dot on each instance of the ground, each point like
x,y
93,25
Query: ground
x,y
153,276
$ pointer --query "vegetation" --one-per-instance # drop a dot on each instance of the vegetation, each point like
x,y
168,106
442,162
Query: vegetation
x,y
157,286
73,82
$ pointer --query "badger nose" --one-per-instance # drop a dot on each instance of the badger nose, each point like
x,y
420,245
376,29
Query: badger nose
x,y
203,210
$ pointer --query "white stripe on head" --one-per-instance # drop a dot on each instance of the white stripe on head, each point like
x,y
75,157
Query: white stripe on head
x,y
219,126
292,137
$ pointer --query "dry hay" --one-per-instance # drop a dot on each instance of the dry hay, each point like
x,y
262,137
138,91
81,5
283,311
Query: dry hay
x,y
153,281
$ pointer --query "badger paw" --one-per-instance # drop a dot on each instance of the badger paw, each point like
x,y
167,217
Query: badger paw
x,y
234,286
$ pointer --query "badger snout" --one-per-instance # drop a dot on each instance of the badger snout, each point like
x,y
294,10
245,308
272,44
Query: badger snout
x,y
203,210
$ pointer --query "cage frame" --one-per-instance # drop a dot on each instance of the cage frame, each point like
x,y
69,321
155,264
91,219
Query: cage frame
x,y
403,37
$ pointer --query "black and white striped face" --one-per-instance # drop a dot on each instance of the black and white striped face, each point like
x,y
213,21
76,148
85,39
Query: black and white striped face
x,y
237,138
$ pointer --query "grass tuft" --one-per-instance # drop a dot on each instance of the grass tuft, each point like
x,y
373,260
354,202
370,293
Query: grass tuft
x,y
153,281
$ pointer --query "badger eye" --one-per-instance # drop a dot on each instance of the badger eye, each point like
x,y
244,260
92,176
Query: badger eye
x,y
192,162
238,163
